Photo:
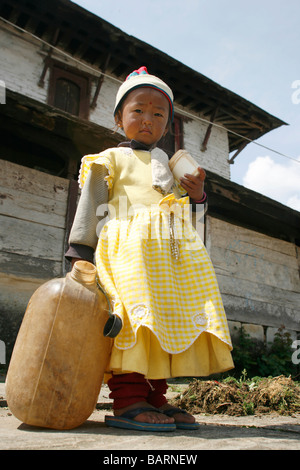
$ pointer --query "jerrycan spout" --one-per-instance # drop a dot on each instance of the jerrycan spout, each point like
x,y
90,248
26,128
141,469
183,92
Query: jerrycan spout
x,y
85,273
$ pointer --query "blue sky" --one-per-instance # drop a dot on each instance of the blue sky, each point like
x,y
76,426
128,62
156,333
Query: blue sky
x,y
251,48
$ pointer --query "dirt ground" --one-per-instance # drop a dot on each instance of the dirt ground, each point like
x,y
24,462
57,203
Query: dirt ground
x,y
257,396
233,415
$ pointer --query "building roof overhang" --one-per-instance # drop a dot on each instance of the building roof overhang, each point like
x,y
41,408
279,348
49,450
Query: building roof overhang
x,y
106,48
70,137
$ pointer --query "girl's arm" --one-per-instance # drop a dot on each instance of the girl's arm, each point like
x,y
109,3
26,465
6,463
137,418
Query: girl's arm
x,y
83,237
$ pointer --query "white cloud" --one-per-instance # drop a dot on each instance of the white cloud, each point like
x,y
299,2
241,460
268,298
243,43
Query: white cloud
x,y
294,202
275,180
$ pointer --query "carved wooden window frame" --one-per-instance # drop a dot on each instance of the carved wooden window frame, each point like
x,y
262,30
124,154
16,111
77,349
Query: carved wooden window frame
x,y
82,80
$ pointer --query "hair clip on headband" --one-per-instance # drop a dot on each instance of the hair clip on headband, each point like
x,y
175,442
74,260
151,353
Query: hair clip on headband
x,y
140,71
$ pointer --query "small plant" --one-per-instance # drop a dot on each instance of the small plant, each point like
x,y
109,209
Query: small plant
x,y
276,360
248,408
244,353
263,360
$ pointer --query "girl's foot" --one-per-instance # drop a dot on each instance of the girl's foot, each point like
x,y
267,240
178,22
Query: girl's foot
x,y
179,417
152,417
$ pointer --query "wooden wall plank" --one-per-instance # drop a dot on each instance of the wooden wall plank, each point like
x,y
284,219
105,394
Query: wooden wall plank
x,y
26,267
249,310
236,237
31,239
34,208
33,181
246,266
258,275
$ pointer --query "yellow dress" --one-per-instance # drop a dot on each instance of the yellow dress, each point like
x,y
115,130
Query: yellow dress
x,y
174,322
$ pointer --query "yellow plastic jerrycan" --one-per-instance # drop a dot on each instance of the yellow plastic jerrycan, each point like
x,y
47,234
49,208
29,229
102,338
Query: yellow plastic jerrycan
x,y
61,352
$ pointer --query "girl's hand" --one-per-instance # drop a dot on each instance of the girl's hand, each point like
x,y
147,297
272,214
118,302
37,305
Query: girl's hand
x,y
73,261
194,185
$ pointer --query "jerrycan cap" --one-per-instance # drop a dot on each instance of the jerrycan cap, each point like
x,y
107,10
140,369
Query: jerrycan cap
x,y
114,323
113,326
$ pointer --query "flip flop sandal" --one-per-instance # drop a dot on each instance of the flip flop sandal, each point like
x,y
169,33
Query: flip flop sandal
x,y
172,411
126,421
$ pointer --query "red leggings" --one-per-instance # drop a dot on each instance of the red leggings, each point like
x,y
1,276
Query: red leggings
x,y
127,389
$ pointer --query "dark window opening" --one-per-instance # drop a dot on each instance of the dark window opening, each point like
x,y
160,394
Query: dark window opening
x,y
67,96
69,90
26,152
173,140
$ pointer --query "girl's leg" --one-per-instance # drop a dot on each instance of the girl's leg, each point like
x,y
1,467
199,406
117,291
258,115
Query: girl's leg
x,y
156,397
127,389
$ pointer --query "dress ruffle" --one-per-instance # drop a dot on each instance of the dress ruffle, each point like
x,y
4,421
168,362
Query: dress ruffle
x,y
208,355
99,159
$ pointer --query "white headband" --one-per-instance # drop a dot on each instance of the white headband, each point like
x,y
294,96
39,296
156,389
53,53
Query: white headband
x,y
141,78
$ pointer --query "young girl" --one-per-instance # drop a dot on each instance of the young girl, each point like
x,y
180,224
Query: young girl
x,y
151,262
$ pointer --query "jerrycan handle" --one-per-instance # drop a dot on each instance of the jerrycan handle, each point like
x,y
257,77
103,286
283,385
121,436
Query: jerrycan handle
x,y
113,325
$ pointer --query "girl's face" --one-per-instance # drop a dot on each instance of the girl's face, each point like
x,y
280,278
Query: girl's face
x,y
144,115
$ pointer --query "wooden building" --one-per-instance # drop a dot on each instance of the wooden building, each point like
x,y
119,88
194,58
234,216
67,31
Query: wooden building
x,y
62,66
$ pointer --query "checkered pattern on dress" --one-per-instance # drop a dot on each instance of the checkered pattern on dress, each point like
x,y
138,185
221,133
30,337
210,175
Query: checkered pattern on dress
x,y
176,299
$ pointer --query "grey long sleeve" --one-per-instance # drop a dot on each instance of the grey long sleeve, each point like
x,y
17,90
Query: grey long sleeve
x,y
90,211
